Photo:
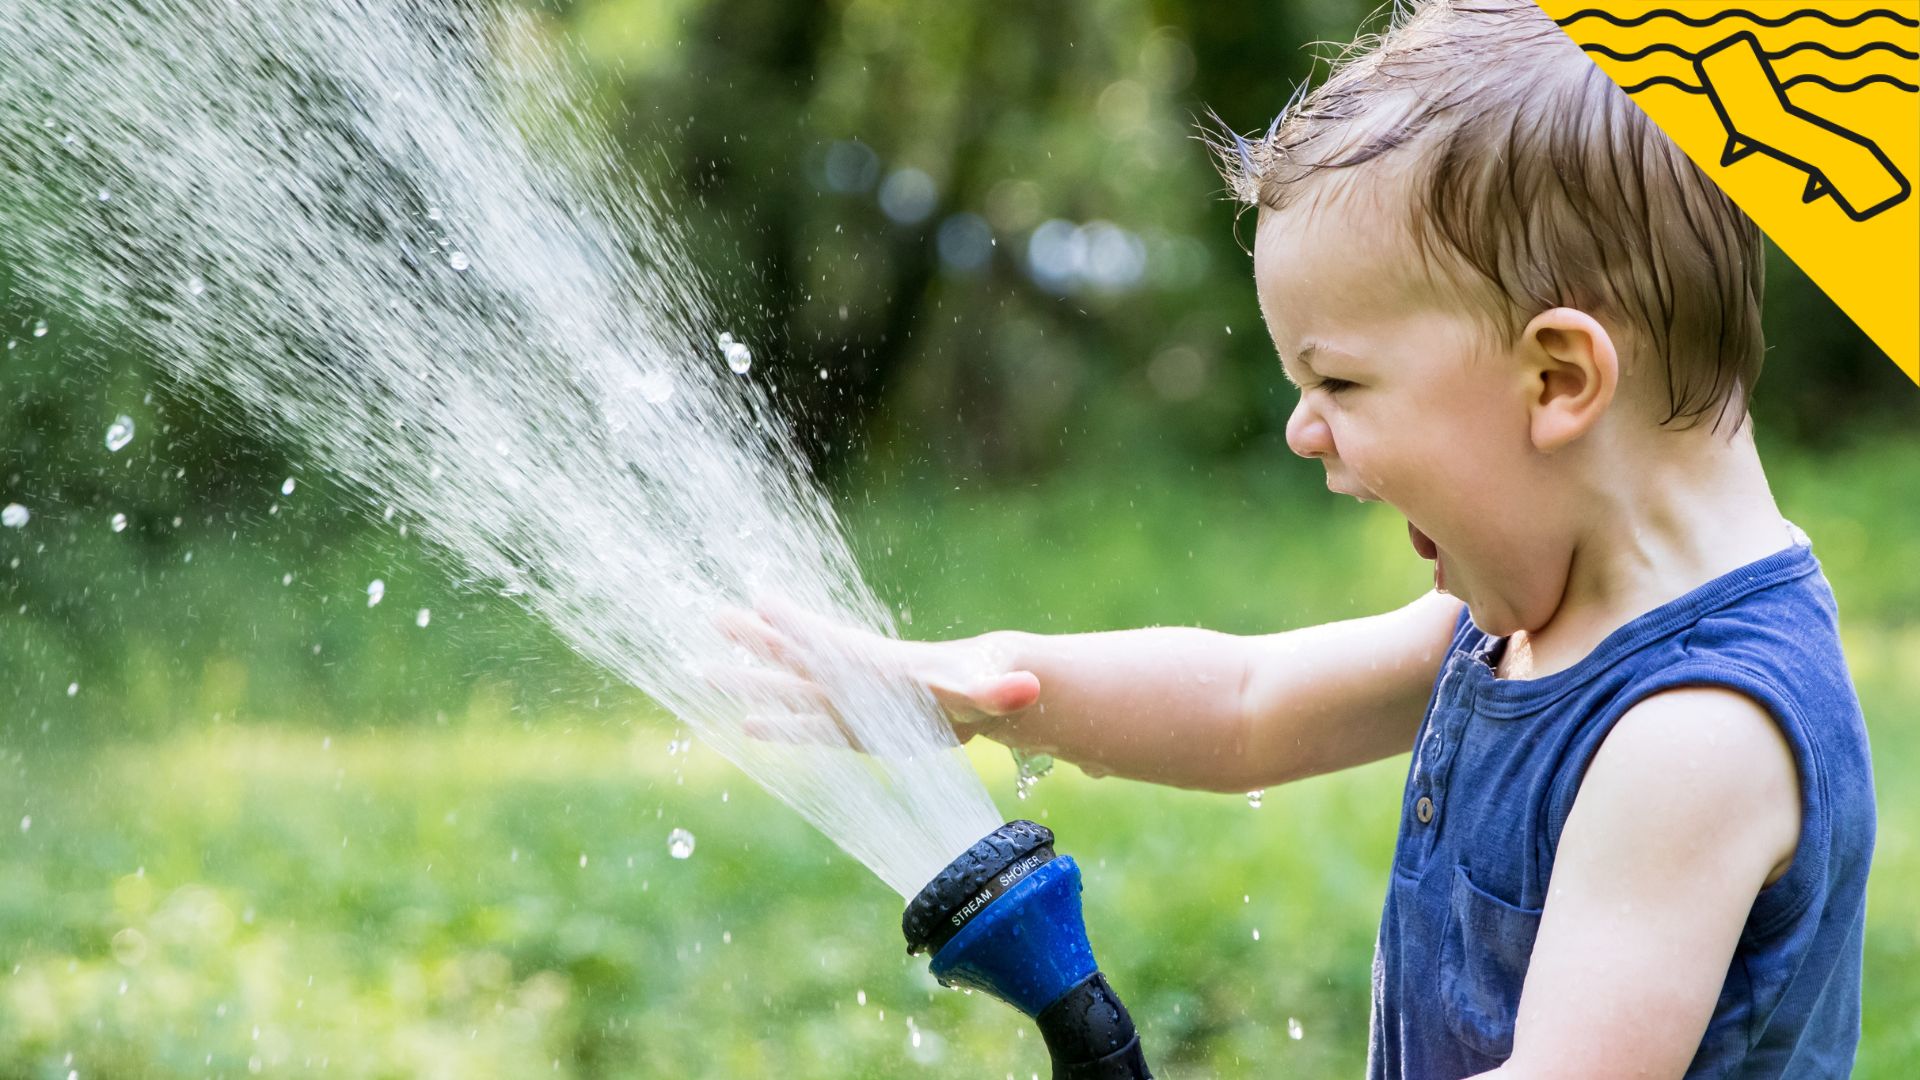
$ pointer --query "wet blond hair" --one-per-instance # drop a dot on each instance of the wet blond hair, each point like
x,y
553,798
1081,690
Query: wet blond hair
x,y
1534,172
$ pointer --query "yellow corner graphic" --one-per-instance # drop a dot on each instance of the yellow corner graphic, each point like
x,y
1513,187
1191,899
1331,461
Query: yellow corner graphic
x,y
1808,116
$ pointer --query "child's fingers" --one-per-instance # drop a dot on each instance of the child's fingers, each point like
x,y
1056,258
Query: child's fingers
x,y
994,696
750,631
805,718
768,686
814,631
1008,693
782,707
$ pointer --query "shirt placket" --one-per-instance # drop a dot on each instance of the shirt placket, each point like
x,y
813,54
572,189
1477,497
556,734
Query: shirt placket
x,y
1453,706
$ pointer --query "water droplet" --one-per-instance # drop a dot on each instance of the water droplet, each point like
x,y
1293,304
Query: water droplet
x,y
14,515
1256,935
40,328
376,591
458,260
1029,769
860,996
286,579
583,860
26,823
1254,797
724,341
422,618
119,433
286,488
73,688
739,358
129,947
119,523
105,195
195,286
434,213
1294,1030
680,843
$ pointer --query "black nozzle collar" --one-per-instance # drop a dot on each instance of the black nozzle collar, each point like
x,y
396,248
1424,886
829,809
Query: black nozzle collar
x,y
969,883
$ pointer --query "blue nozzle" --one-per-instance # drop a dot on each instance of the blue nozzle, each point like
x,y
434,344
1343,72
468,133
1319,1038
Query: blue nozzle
x,y
1005,918
1028,947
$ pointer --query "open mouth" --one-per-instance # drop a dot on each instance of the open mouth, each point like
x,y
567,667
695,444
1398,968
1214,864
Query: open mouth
x,y
1422,543
1424,546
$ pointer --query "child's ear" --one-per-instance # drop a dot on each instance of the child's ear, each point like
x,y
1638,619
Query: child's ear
x,y
1570,360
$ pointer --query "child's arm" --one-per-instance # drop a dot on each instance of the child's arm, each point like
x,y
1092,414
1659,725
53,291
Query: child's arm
x,y
1690,807
1176,705
1202,709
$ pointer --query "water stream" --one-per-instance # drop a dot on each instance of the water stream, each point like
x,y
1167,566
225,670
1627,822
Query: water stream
x,y
388,230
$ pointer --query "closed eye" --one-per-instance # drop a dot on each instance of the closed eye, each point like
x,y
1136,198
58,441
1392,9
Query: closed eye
x,y
1334,386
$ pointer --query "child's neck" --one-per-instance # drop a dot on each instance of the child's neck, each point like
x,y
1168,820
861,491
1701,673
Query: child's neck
x,y
1688,518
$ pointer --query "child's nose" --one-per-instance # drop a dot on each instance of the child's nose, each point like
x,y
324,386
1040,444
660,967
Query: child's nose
x,y
1307,434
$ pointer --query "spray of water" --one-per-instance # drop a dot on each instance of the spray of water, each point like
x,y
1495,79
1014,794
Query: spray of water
x,y
386,227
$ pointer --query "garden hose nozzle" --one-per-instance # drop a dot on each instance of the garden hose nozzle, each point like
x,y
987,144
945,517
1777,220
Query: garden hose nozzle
x,y
1004,918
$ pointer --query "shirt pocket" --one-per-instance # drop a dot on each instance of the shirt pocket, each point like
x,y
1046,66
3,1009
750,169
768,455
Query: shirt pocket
x,y
1483,963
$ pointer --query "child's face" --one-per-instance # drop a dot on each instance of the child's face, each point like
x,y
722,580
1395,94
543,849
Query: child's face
x,y
1404,398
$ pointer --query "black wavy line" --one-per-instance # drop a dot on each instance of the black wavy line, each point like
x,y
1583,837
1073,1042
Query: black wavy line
x,y
1808,13
1852,54
1690,88
1843,87
1666,80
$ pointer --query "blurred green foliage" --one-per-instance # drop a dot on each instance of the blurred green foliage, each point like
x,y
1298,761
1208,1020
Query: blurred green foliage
x,y
261,820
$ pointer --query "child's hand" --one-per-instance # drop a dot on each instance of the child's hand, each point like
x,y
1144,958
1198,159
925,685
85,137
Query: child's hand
x,y
967,677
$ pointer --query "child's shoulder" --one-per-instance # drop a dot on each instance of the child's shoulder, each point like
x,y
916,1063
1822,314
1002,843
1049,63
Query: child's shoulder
x,y
1768,632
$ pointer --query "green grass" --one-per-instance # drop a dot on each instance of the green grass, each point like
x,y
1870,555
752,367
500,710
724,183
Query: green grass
x,y
417,904
490,893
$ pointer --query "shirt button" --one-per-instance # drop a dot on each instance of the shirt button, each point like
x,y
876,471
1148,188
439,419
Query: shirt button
x,y
1423,809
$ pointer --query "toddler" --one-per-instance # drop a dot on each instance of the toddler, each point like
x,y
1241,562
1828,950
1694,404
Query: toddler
x,y
1636,826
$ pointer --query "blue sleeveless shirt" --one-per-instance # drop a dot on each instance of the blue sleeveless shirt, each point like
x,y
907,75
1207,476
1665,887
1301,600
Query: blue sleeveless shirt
x,y
1495,770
